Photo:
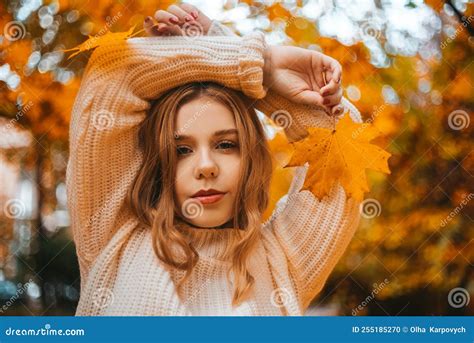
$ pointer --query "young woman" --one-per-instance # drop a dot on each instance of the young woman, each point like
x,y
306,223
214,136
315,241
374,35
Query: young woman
x,y
169,174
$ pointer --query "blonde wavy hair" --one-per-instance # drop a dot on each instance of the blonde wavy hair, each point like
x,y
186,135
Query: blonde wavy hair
x,y
155,205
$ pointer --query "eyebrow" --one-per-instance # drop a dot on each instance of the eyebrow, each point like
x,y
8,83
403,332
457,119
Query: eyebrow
x,y
215,134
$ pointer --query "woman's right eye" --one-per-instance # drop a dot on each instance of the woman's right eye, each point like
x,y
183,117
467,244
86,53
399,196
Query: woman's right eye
x,y
182,150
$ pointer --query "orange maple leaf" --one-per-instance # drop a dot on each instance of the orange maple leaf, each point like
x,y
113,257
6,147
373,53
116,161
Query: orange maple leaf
x,y
340,155
95,41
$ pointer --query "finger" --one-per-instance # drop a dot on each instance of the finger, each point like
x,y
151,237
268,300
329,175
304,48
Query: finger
x,y
154,29
166,17
203,20
337,110
318,75
331,88
147,25
316,67
328,74
333,70
183,16
163,29
194,11
174,30
333,99
309,97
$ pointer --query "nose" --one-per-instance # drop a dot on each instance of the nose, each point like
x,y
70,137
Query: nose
x,y
206,166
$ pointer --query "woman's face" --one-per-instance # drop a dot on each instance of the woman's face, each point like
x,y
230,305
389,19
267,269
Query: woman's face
x,y
208,159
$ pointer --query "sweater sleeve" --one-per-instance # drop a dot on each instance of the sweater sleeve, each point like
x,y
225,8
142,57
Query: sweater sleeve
x,y
313,234
118,81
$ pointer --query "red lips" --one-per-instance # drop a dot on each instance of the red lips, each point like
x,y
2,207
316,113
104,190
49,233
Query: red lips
x,y
203,192
209,196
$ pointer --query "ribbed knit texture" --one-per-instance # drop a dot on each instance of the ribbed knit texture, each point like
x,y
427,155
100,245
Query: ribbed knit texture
x,y
120,274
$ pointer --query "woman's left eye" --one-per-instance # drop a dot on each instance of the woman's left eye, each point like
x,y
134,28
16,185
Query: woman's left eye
x,y
226,145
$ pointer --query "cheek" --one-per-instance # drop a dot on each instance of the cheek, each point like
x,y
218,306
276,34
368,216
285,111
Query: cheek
x,y
180,184
233,172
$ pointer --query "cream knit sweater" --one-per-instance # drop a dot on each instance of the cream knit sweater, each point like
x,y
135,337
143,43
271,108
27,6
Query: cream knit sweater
x,y
120,274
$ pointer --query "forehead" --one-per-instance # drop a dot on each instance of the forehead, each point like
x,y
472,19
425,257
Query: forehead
x,y
203,117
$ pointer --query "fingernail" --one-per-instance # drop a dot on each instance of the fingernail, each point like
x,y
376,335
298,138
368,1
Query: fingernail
x,y
174,20
188,18
194,14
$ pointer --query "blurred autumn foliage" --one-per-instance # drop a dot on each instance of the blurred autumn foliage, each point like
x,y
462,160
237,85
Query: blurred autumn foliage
x,y
416,237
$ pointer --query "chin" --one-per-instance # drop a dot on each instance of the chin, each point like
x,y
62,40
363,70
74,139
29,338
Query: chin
x,y
207,224
210,224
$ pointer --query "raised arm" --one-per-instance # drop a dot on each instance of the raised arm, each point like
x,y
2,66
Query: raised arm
x,y
313,234
113,99
300,75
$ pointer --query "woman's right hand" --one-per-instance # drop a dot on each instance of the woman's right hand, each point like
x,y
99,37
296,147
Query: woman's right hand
x,y
300,75
174,21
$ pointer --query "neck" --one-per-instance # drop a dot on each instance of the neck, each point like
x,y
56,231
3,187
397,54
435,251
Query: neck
x,y
227,225
210,241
